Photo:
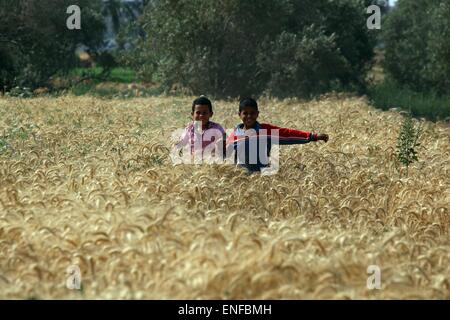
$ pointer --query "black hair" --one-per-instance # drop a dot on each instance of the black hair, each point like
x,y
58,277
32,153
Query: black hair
x,y
202,100
248,102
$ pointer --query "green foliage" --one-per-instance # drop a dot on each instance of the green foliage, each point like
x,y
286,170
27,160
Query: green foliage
x,y
35,42
232,47
416,35
290,57
106,62
121,75
3,145
408,142
19,92
390,94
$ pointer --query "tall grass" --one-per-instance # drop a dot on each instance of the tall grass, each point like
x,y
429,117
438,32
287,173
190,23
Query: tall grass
x,y
388,94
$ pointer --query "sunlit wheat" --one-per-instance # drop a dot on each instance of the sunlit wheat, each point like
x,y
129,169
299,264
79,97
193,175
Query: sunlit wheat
x,y
89,182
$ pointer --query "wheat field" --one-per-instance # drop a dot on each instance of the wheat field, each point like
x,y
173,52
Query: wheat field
x,y
89,182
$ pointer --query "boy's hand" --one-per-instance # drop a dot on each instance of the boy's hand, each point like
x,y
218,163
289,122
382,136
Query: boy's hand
x,y
322,136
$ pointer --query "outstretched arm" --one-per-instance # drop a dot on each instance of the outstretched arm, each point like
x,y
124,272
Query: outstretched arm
x,y
293,136
286,136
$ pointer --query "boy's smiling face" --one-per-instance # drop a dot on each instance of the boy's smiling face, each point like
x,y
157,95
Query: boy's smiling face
x,y
202,113
248,116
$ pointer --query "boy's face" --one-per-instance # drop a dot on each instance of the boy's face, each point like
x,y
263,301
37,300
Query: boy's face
x,y
201,113
248,116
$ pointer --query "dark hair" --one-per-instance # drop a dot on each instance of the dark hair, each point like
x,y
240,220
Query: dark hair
x,y
248,102
202,100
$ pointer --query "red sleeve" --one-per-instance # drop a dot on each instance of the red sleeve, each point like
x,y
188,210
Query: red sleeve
x,y
287,133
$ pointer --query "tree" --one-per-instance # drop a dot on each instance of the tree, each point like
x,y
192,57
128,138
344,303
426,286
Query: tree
x,y
416,36
325,46
35,42
232,47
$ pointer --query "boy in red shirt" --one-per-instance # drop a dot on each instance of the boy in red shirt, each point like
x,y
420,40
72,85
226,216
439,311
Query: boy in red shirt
x,y
253,154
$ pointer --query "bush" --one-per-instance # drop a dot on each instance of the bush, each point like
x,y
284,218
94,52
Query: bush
x,y
301,64
20,92
408,142
390,94
416,36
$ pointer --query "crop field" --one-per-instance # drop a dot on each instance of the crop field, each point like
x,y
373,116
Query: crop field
x,y
88,182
